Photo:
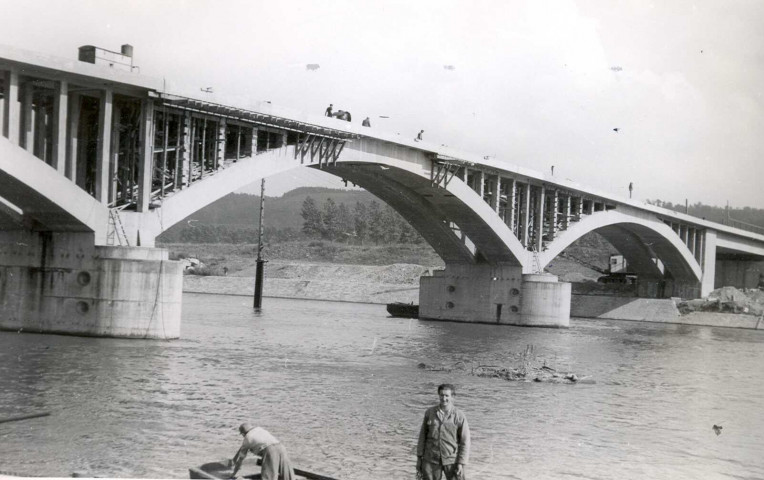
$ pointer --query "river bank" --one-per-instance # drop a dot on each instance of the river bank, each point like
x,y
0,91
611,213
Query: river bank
x,y
313,281
400,283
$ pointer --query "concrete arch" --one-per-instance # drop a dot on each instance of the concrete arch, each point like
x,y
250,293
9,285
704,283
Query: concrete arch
x,y
422,216
403,184
180,205
48,200
429,209
639,239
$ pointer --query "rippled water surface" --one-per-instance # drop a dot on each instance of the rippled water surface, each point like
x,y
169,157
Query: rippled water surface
x,y
339,384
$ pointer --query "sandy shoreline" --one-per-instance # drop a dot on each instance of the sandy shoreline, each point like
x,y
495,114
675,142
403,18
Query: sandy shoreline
x,y
386,284
331,282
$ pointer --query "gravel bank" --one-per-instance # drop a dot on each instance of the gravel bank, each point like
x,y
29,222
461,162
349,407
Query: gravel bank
x,y
346,283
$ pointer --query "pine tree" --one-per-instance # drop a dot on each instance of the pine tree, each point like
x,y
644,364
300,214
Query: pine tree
x,y
345,222
361,221
313,224
332,229
376,227
408,234
390,225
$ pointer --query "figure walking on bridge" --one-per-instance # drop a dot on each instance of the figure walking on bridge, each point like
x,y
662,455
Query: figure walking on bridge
x,y
631,187
444,439
366,122
328,112
419,136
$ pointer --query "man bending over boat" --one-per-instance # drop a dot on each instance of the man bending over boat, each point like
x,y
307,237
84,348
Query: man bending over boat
x,y
444,439
257,440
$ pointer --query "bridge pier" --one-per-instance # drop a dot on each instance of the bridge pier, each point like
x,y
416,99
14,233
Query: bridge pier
x,y
495,294
55,282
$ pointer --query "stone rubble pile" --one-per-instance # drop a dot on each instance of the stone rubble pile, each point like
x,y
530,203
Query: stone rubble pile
x,y
727,300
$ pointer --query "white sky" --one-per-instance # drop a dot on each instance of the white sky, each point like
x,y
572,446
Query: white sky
x,y
535,83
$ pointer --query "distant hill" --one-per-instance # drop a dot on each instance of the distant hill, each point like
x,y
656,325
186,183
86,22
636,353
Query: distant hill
x,y
751,216
241,210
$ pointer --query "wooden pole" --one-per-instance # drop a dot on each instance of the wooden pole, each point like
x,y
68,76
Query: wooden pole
x,y
24,417
260,261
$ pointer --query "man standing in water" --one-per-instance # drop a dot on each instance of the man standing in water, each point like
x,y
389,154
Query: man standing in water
x,y
257,440
444,439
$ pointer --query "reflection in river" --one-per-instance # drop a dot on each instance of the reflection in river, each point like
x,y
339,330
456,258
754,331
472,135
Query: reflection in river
x,y
338,383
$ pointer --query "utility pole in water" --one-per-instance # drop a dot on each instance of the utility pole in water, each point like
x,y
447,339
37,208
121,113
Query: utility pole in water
x,y
260,261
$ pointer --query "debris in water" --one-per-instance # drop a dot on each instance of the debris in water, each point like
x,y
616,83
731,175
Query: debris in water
x,y
525,372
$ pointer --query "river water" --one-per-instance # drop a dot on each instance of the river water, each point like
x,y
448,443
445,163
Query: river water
x,y
339,384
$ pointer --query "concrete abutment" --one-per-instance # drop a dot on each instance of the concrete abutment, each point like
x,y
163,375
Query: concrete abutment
x,y
62,283
495,294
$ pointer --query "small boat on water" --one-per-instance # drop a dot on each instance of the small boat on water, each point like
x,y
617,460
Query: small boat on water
x,y
403,310
222,471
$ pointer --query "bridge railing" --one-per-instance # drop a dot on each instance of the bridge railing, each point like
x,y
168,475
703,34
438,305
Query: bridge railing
x,y
731,222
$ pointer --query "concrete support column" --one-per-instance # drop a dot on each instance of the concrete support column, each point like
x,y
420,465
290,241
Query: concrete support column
x,y
178,162
511,205
566,220
526,214
203,158
146,162
481,183
27,114
103,155
708,263
60,110
220,152
496,196
555,210
72,139
539,223
185,153
11,107
238,142
192,153
116,140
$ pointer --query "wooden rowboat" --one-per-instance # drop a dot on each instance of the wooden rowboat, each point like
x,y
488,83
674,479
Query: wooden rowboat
x,y
404,310
222,471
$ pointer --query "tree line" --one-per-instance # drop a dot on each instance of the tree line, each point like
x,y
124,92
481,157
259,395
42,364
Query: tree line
x,y
365,222
752,216
234,234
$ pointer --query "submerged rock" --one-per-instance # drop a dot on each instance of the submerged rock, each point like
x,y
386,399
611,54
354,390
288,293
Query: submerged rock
x,y
541,375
